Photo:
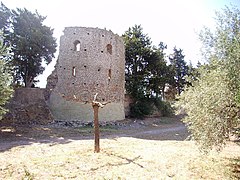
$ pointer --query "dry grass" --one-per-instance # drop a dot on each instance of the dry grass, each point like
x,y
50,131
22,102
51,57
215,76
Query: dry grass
x,y
120,158
142,150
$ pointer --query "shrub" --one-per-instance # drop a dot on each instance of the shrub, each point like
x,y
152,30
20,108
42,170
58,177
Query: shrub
x,y
141,108
164,107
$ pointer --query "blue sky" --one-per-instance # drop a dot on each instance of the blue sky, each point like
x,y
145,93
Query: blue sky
x,y
175,22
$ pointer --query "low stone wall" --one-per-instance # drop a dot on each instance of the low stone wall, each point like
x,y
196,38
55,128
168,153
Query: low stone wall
x,y
28,106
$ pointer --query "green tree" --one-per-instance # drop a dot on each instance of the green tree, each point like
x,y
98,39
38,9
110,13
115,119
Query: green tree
x,y
31,41
146,71
5,79
160,73
193,73
211,111
180,68
5,14
137,50
212,102
224,45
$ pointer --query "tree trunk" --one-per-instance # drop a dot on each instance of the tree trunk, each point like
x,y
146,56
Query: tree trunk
x,y
163,93
96,128
29,84
28,81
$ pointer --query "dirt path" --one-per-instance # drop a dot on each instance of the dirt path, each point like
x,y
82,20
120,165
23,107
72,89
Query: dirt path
x,y
178,132
172,131
150,129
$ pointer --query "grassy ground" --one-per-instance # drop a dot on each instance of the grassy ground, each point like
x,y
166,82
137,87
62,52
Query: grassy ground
x,y
121,157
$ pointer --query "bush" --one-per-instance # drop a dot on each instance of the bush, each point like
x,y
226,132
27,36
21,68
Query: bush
x,y
146,106
164,107
141,108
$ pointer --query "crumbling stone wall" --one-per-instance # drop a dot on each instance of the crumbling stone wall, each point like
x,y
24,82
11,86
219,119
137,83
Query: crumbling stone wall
x,y
27,107
90,61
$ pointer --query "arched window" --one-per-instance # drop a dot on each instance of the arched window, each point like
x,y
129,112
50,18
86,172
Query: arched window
x,y
109,48
76,45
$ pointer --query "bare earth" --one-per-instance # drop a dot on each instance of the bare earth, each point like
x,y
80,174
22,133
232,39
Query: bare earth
x,y
155,148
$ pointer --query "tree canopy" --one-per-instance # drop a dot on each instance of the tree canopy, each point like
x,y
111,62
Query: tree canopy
x,y
147,72
32,43
5,79
180,69
137,51
212,103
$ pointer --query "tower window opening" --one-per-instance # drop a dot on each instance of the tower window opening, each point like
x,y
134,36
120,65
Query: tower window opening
x,y
109,48
77,45
74,71
109,74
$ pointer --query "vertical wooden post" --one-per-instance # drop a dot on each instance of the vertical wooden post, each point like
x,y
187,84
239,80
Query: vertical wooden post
x,y
96,106
96,128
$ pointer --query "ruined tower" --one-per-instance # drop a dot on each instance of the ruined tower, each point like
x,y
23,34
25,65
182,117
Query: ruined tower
x,y
90,61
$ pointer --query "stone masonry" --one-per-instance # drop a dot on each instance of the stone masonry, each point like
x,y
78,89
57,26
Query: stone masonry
x,y
27,107
90,61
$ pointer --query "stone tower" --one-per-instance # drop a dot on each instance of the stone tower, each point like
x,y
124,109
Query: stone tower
x,y
90,61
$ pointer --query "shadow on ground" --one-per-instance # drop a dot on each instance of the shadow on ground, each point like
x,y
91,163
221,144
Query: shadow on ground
x,y
150,129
